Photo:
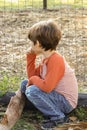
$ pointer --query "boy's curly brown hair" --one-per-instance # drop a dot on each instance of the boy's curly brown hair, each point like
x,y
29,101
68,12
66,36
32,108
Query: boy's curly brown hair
x,y
47,33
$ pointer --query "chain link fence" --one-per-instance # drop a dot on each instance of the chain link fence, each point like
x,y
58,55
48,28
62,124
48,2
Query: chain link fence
x,y
16,16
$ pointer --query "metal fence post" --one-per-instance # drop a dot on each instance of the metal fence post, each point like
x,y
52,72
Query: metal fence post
x,y
44,4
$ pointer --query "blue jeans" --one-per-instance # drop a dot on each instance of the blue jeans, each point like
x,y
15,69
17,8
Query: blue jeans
x,y
53,104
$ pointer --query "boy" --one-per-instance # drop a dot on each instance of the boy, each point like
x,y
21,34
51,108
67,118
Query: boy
x,y
52,86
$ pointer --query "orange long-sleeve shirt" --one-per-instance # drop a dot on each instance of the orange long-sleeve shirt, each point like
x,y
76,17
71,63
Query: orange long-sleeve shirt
x,y
54,71
53,74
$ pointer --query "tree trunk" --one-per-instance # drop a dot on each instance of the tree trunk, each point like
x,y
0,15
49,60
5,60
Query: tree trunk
x,y
44,4
13,112
5,99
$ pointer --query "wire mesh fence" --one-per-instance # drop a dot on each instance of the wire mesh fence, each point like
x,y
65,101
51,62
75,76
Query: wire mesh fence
x,y
16,16
39,4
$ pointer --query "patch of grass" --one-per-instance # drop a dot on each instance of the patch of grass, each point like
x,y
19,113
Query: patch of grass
x,y
19,4
74,3
9,83
30,120
23,4
23,125
82,89
80,113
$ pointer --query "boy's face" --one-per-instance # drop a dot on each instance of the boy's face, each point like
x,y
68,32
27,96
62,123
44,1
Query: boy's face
x,y
37,48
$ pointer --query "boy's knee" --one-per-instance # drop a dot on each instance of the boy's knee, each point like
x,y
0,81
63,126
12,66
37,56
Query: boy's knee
x,y
23,85
24,82
32,91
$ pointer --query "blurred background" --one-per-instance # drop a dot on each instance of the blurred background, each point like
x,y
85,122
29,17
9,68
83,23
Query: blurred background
x,y
16,16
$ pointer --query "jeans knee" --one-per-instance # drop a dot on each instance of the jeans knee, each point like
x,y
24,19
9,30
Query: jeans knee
x,y
32,91
23,85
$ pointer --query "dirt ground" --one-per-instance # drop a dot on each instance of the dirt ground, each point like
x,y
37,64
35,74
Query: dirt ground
x,y
14,42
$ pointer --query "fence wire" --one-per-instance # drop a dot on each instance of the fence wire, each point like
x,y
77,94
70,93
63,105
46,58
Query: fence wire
x,y
16,16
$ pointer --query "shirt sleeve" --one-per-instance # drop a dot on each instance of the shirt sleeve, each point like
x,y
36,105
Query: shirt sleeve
x,y
55,71
31,69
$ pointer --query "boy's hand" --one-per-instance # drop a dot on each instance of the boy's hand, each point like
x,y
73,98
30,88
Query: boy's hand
x,y
30,51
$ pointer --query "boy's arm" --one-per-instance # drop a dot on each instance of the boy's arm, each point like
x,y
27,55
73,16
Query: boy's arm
x,y
55,71
31,69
